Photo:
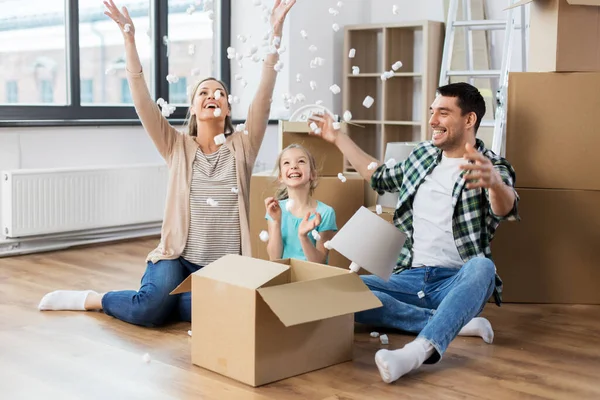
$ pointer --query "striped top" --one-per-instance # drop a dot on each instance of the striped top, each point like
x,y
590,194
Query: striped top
x,y
214,228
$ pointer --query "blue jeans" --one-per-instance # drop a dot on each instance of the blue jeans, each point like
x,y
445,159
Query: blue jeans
x,y
452,297
152,305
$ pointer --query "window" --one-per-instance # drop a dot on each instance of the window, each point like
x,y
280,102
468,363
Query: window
x,y
46,91
178,92
77,72
125,93
87,91
33,51
12,92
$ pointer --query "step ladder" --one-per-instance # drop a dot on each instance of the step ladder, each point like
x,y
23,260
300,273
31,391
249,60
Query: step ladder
x,y
509,25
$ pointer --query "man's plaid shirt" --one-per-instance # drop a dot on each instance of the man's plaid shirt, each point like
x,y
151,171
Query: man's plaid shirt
x,y
473,222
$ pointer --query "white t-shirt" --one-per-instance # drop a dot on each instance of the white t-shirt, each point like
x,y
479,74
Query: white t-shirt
x,y
433,240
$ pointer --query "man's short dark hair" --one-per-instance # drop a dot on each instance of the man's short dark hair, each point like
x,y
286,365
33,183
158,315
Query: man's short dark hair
x,y
468,98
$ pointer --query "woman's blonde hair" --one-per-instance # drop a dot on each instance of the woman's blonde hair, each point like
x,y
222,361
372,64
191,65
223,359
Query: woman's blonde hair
x,y
190,120
282,192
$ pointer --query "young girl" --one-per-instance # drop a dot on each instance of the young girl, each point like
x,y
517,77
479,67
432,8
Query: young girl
x,y
298,224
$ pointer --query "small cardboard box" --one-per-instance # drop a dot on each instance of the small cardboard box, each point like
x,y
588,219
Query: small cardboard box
x,y
329,159
564,35
551,255
259,321
553,144
345,198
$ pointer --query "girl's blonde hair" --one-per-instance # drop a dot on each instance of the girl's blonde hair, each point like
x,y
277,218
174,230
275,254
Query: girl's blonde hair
x,y
190,120
282,192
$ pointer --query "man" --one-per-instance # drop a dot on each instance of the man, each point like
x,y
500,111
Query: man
x,y
453,193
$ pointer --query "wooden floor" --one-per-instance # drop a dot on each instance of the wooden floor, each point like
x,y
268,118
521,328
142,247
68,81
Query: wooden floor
x,y
539,352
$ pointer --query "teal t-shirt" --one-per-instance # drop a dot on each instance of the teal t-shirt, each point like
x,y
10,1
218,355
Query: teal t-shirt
x,y
290,224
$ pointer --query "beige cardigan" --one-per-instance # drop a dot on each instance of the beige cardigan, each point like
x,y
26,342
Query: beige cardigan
x,y
179,150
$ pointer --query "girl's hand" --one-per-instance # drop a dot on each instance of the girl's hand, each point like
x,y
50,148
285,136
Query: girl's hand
x,y
278,14
273,209
122,19
307,226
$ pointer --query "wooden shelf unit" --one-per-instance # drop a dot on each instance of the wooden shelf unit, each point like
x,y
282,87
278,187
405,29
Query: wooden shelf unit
x,y
400,112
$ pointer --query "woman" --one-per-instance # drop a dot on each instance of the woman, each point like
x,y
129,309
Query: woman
x,y
207,205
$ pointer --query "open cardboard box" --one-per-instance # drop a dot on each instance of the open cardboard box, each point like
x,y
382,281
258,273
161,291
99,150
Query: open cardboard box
x,y
564,35
259,321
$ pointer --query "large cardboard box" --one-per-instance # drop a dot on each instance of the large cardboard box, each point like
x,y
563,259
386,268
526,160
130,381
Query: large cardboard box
x,y
345,198
551,255
330,160
259,321
564,35
552,124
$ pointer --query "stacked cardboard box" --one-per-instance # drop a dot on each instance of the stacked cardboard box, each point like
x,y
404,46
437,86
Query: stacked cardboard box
x,y
563,35
549,256
552,142
345,197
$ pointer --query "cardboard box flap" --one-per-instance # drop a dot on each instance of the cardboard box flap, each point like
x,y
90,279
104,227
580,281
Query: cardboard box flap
x,y
242,271
184,287
300,302
571,2
584,2
237,270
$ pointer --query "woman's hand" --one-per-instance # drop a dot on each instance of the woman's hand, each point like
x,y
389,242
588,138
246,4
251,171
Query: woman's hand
x,y
278,14
273,209
122,19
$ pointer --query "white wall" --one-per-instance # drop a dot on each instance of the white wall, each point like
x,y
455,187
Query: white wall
x,y
408,10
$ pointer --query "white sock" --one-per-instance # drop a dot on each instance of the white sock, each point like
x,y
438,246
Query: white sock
x,y
393,364
478,326
73,300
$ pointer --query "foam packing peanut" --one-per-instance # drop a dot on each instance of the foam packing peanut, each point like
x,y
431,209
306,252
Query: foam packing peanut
x,y
397,65
289,205
220,139
264,236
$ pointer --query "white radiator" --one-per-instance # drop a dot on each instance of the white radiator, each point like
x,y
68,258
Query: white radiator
x,y
42,202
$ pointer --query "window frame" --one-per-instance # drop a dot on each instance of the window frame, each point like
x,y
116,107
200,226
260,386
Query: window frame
x,y
94,115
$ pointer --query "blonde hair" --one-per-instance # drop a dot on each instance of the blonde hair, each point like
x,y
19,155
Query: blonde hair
x,y
190,123
282,191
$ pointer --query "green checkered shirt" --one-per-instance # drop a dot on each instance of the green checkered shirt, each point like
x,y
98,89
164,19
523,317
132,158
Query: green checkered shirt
x,y
473,222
